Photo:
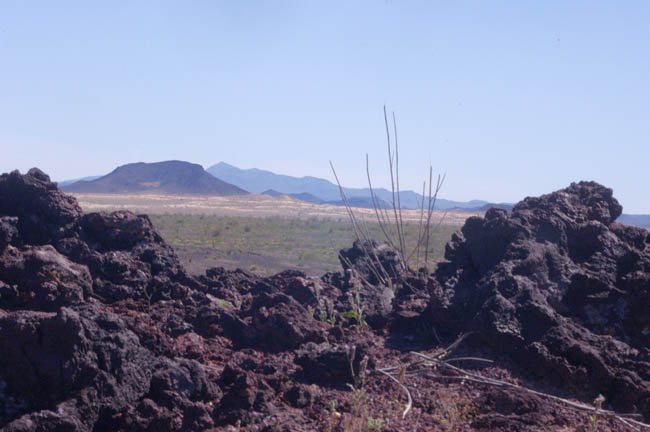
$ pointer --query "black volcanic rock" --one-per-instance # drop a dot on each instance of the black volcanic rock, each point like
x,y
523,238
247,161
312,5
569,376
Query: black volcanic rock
x,y
50,359
558,286
69,361
40,278
170,177
328,365
363,256
44,212
101,329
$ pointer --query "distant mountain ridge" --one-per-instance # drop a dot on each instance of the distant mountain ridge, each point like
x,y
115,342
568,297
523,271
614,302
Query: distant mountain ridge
x,y
305,196
636,220
169,177
69,182
258,181
485,207
363,202
177,177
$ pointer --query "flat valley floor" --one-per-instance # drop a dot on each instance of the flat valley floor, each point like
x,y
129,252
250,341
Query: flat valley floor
x,y
264,234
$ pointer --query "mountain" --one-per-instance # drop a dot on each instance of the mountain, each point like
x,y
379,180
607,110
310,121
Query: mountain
x,y
170,177
273,193
362,202
636,220
69,182
307,197
258,181
485,207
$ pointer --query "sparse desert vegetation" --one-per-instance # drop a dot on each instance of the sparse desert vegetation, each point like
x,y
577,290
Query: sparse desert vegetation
x,y
272,244
262,233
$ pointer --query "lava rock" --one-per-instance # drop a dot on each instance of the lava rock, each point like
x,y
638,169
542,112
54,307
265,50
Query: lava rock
x,y
557,286
40,278
334,366
8,230
44,212
372,261
56,358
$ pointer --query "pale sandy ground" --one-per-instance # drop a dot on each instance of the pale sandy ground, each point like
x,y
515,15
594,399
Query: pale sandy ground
x,y
243,205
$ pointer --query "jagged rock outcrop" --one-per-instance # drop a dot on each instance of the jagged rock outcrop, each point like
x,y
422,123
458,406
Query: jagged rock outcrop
x,y
100,326
558,286
69,361
102,329
79,363
44,213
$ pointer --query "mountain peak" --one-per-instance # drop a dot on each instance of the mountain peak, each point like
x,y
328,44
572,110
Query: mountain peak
x,y
167,177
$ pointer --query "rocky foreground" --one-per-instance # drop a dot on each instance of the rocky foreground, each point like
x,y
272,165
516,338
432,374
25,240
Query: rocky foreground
x,y
101,328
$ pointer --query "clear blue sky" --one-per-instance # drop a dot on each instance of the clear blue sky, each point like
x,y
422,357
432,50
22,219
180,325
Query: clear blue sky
x,y
509,98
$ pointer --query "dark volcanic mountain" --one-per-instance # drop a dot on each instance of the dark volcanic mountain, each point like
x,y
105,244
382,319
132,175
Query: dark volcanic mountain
x,y
170,177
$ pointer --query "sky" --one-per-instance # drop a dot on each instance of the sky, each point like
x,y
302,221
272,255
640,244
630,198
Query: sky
x,y
507,98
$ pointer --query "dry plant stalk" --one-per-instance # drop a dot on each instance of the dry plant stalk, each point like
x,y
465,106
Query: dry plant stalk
x,y
427,363
390,218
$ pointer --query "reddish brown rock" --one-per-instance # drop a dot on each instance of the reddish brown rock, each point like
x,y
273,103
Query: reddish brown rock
x,y
102,329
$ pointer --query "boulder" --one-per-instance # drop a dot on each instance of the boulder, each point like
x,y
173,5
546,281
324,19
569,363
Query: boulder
x,y
40,278
85,362
558,286
334,365
44,212
373,261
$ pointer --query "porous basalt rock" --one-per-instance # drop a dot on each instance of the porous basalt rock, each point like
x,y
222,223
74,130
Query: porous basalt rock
x,y
102,329
78,363
558,286
76,353
40,278
45,214
335,366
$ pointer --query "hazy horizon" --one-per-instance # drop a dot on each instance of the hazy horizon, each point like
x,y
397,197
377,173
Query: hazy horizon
x,y
508,99
442,196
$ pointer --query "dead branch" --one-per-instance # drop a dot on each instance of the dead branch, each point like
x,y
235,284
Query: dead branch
x,y
409,403
427,363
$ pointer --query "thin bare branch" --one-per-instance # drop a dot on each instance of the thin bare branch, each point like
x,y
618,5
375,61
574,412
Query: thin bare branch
x,y
409,404
466,376
375,204
419,243
392,185
428,225
400,222
358,229
428,363
389,212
